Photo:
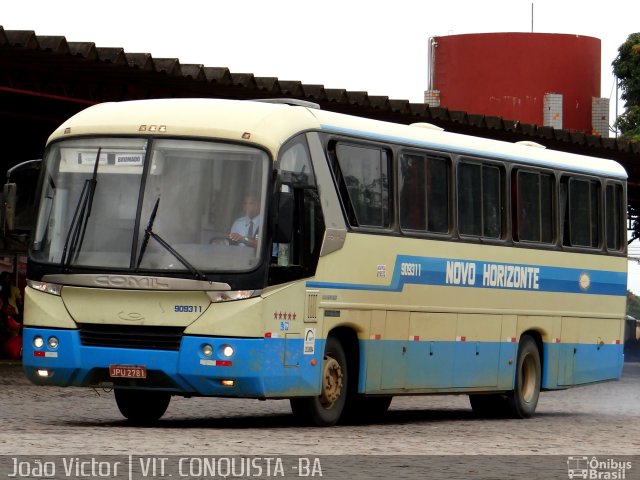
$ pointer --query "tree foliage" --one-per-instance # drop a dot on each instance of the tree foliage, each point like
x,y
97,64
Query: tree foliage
x,y
626,68
633,305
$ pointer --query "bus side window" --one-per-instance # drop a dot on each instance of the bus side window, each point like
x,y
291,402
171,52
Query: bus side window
x,y
424,192
534,207
582,212
614,220
362,175
480,200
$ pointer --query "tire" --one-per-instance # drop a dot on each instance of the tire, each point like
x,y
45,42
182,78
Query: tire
x,y
326,409
142,406
523,400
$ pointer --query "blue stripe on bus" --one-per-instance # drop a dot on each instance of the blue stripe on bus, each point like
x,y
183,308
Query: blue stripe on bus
x,y
447,147
414,270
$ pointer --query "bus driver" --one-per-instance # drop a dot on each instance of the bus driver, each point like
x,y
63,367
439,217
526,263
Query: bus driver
x,y
245,229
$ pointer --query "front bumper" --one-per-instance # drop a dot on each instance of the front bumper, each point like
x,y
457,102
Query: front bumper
x,y
259,367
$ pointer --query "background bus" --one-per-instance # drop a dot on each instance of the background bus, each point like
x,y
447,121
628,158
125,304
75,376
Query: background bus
x,y
17,213
387,260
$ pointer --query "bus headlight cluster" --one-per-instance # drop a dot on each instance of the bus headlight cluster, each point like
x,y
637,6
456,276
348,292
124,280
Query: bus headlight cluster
x,y
52,342
226,351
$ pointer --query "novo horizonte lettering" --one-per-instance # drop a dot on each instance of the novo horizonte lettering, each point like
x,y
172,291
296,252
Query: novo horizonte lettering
x,y
493,275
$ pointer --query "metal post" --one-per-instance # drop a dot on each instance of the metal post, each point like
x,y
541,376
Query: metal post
x,y
531,17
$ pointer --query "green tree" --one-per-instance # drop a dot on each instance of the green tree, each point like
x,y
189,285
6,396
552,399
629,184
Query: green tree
x,y
633,305
626,68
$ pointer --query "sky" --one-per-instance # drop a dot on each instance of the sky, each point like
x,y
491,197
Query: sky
x,y
374,46
361,45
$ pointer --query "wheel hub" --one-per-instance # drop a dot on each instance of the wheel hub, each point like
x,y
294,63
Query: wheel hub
x,y
528,378
331,382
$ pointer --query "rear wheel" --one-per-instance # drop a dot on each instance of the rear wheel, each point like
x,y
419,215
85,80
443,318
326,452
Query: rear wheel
x,y
524,397
325,410
142,406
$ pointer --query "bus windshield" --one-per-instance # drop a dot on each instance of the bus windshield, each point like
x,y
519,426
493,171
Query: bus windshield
x,y
152,205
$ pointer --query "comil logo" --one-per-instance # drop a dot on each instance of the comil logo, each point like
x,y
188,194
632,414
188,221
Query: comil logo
x,y
596,468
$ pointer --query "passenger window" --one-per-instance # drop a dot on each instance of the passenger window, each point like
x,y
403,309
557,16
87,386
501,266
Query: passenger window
x,y
614,219
424,193
582,228
480,200
364,185
534,207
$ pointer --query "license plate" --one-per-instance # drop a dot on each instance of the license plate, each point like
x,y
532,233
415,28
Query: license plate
x,y
127,371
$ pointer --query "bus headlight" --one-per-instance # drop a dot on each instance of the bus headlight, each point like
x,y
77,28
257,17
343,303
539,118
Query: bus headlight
x,y
207,350
227,351
46,287
52,342
232,295
38,342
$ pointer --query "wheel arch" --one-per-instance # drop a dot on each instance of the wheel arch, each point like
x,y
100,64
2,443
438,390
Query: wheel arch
x,y
537,337
348,337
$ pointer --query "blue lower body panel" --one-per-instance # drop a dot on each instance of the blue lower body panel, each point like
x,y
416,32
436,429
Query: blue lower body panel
x,y
568,364
396,367
279,368
257,366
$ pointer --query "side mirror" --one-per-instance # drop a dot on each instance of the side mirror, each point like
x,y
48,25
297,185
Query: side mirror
x,y
10,194
283,232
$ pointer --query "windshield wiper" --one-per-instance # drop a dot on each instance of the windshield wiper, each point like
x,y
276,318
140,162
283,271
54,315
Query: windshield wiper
x,y
149,233
81,214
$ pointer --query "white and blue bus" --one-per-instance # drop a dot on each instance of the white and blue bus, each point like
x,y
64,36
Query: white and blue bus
x,y
381,260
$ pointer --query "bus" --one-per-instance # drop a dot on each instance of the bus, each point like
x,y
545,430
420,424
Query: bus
x,y
383,260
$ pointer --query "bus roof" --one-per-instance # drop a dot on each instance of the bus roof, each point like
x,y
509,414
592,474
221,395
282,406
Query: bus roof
x,y
436,139
271,124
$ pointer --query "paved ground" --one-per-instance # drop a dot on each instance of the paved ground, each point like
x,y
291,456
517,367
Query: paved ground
x,y
600,419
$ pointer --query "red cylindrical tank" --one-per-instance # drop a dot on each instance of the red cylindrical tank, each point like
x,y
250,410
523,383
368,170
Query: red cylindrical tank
x,y
507,75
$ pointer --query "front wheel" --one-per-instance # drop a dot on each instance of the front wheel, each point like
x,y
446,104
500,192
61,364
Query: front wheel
x,y
524,397
325,410
142,406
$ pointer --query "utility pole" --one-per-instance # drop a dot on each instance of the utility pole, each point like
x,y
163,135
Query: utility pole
x,y
531,17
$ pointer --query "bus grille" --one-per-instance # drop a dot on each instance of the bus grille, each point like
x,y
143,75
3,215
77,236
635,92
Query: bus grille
x,y
124,336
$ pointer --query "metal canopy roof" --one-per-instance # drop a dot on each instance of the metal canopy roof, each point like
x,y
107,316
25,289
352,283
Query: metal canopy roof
x,y
46,79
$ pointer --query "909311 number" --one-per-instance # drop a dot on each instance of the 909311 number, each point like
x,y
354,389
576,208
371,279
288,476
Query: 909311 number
x,y
187,308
